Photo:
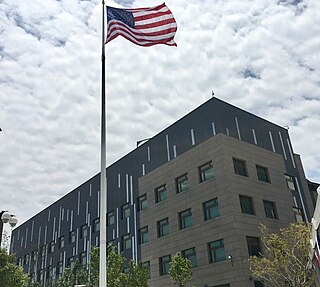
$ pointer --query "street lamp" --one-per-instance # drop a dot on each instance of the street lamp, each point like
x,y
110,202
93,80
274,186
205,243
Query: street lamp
x,y
6,217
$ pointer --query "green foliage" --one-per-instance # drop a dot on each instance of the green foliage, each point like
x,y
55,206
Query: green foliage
x,y
285,258
11,275
115,265
137,275
94,268
73,276
179,271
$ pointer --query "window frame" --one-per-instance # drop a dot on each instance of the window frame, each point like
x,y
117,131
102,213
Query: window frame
x,y
243,205
290,181
95,224
265,177
144,231
126,242
84,231
142,202
159,191
111,218
164,265
72,236
192,255
212,251
252,246
208,208
182,183
161,224
183,219
125,211
61,242
238,169
270,206
203,172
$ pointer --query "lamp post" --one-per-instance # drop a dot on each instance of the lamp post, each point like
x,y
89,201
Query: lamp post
x,y
6,217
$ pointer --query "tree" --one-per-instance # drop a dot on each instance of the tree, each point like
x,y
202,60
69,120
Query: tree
x,y
137,275
11,275
73,276
179,270
285,258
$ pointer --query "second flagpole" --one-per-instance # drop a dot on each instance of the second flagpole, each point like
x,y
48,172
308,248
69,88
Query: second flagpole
x,y
103,174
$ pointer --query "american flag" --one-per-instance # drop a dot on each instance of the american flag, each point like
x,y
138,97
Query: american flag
x,y
142,26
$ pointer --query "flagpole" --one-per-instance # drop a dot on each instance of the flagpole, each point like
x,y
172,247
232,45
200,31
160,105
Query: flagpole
x,y
103,174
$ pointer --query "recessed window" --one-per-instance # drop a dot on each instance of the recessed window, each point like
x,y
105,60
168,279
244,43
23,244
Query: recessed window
x,y
216,251
59,269
298,214
83,259
125,211
84,231
164,264
146,265
253,246
163,227
290,182
110,218
144,234
206,172
61,242
246,204
191,255
222,285
126,242
161,193
185,219
142,202
210,209
51,247
258,284
72,236
263,174
270,209
182,183
96,225
240,167
34,255
71,262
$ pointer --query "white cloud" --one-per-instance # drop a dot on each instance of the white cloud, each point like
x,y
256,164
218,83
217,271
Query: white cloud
x,y
259,55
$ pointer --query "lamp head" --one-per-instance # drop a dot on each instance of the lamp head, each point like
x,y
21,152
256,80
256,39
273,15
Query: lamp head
x,y
5,217
13,221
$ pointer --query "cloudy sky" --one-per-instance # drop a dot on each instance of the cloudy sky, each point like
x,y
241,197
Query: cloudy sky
x,y
262,56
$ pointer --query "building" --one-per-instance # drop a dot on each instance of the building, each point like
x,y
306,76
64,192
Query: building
x,y
201,186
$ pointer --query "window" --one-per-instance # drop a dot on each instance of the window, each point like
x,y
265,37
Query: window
x,y
72,236
26,259
182,183
144,235
253,246
206,171
50,272
185,218
59,269
210,209
290,182
142,202
83,259
61,242
246,203
258,284
34,255
163,227
71,262
270,209
191,255
84,231
263,174
147,266
161,193
96,225
298,214
216,251
51,247
240,167
164,264
126,242
110,218
222,285
125,211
